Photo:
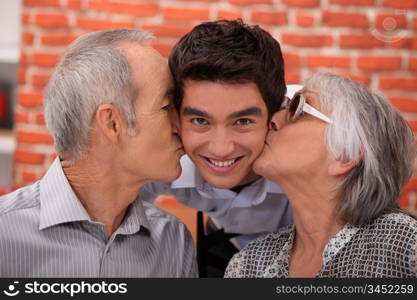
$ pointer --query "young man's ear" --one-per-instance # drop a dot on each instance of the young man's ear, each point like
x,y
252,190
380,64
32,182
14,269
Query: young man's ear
x,y
340,168
109,121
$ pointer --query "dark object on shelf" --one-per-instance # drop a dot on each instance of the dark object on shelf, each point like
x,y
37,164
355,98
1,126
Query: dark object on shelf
x,y
214,250
6,113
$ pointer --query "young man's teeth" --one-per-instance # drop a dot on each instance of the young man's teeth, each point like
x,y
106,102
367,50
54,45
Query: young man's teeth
x,y
227,163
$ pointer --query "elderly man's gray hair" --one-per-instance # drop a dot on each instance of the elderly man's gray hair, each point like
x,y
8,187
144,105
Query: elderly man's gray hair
x,y
370,131
92,71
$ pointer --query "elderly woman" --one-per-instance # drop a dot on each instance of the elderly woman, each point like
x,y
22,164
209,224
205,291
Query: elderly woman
x,y
342,155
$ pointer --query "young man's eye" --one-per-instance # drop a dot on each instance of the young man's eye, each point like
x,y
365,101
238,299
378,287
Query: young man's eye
x,y
199,121
244,122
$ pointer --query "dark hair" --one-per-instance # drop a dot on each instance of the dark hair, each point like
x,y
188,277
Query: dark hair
x,y
230,52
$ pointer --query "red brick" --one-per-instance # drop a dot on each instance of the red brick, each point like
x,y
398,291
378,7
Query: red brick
x,y
405,104
328,61
341,19
269,18
186,14
74,4
398,83
27,38
413,125
45,59
292,78
28,157
164,49
34,137
167,30
362,41
291,60
302,3
40,119
53,3
21,75
25,18
101,24
412,64
411,186
307,40
40,80
405,4
379,63
354,2
415,23
229,14
57,39
146,9
250,2
20,117
33,99
304,19
365,80
29,176
51,20
400,41
390,22
23,58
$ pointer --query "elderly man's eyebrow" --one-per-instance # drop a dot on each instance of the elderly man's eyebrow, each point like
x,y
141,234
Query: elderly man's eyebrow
x,y
191,111
250,111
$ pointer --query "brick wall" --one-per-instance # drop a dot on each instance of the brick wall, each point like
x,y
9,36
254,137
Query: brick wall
x,y
372,41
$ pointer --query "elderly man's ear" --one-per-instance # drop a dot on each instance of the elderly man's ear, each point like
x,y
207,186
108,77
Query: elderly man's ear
x,y
109,121
340,168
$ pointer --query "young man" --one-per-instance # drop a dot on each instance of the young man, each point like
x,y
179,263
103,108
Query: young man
x,y
229,80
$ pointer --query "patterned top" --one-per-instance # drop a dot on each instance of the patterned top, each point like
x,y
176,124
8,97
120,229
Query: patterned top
x,y
46,232
385,248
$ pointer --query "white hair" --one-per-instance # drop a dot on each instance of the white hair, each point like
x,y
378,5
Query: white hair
x,y
93,71
366,129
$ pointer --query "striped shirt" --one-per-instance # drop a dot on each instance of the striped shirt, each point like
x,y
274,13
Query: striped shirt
x,y
46,232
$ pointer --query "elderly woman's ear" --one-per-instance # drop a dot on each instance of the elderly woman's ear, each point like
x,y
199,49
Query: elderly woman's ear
x,y
340,168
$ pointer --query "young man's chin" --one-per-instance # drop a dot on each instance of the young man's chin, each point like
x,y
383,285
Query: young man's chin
x,y
222,182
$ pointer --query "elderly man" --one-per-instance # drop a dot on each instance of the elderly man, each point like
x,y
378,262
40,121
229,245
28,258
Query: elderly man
x,y
108,107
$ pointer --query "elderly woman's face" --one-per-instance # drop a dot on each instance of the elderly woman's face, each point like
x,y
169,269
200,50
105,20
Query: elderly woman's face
x,y
297,148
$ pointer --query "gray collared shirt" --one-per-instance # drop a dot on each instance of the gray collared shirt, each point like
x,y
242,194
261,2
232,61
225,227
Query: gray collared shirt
x,y
46,232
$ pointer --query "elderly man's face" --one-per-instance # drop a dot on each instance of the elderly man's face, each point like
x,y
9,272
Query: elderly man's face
x,y
156,149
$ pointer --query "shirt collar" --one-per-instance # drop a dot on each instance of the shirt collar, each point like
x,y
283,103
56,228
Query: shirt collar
x,y
338,242
59,204
135,218
331,249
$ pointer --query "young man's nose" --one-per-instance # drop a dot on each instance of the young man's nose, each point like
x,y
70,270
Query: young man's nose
x,y
221,146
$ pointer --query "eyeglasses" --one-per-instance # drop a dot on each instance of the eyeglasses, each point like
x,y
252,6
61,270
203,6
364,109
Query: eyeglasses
x,y
298,105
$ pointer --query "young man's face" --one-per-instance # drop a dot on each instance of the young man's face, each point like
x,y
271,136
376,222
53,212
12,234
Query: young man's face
x,y
223,128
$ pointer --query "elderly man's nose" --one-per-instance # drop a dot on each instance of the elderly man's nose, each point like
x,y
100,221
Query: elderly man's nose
x,y
175,121
278,120
273,126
